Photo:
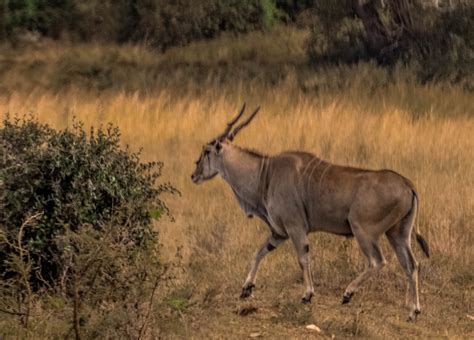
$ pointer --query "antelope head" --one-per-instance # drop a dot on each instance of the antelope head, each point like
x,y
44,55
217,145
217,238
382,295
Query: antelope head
x,y
210,161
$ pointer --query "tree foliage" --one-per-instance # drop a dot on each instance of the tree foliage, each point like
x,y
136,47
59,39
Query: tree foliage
x,y
160,23
436,42
71,179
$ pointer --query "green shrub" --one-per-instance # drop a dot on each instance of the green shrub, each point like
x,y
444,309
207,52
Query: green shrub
x,y
437,43
442,45
342,44
164,23
293,8
96,20
72,179
49,17
160,23
336,36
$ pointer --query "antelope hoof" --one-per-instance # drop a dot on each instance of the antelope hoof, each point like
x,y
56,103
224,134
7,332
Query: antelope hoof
x,y
413,316
247,290
346,298
307,298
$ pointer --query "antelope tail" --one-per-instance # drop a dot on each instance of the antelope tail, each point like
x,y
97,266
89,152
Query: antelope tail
x,y
421,241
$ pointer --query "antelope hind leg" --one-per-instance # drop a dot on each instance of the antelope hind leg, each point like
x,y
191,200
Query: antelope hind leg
x,y
301,244
375,261
399,238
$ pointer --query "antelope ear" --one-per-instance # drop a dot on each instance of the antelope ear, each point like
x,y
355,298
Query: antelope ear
x,y
218,147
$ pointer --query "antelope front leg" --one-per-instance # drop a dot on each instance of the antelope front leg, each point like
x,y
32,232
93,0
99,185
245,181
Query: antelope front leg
x,y
270,244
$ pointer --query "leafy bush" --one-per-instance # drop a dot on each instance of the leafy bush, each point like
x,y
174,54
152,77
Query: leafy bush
x,y
293,8
442,45
49,17
164,23
336,35
107,20
342,44
438,43
71,180
160,23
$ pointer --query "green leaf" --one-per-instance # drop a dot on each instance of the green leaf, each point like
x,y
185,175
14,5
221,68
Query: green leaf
x,y
156,213
178,303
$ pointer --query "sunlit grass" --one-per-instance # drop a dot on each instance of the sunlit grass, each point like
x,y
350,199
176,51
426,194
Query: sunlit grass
x,y
170,104
434,151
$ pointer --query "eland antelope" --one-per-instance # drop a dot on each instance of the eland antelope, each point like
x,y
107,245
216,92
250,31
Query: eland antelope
x,y
296,193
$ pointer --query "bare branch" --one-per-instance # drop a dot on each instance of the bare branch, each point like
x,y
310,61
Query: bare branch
x,y
155,286
11,312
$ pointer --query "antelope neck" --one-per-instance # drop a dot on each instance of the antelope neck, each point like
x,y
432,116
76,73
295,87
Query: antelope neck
x,y
243,170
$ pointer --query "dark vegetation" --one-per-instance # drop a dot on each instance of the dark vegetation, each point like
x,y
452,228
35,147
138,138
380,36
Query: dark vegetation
x,y
76,216
436,42
160,23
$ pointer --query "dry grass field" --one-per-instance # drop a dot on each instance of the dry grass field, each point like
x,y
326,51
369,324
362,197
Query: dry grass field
x,y
170,105
214,241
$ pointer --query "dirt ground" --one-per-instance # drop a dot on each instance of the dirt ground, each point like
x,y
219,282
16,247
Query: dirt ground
x,y
274,312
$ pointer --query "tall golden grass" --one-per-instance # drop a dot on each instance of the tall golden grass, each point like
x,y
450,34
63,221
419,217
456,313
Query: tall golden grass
x,y
435,151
